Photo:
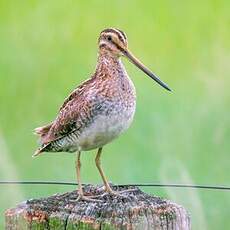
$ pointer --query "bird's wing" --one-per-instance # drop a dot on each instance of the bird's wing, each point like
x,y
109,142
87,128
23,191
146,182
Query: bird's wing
x,y
74,114
77,91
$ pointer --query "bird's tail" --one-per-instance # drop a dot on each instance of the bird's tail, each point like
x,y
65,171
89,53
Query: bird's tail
x,y
43,130
40,150
43,133
37,152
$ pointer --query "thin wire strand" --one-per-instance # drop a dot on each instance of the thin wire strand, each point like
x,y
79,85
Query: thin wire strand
x,y
211,187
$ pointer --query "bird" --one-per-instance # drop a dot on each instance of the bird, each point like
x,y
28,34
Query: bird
x,y
99,109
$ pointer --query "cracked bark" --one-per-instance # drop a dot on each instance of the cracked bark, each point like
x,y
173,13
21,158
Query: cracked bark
x,y
61,211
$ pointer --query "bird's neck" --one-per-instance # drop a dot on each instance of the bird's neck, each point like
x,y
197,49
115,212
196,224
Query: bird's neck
x,y
110,66
111,71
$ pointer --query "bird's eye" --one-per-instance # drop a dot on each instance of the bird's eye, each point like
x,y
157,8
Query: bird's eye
x,y
109,38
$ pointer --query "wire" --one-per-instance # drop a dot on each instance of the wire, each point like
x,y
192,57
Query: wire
x,y
210,187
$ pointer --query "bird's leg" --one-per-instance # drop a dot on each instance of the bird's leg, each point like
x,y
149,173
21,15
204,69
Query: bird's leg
x,y
78,169
108,189
98,164
80,190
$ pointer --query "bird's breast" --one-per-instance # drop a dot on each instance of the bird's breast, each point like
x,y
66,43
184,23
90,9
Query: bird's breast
x,y
117,109
113,103
113,119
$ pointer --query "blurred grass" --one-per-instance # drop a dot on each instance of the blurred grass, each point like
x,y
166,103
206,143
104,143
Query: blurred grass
x,y
49,47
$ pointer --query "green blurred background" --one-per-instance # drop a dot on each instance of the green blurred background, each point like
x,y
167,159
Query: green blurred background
x,y
48,47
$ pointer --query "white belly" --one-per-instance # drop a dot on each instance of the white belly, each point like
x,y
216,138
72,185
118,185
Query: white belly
x,y
104,129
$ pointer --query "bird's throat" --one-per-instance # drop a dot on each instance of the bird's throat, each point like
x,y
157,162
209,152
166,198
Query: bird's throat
x,y
110,66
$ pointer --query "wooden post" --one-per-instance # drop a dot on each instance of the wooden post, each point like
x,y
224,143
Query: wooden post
x,y
136,211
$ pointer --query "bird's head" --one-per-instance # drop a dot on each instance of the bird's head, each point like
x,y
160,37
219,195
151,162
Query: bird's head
x,y
114,42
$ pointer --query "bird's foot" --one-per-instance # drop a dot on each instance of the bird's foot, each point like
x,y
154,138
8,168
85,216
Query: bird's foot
x,y
120,193
128,190
109,191
81,197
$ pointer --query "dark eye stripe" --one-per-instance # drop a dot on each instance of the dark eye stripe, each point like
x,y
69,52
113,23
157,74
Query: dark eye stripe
x,y
117,46
119,33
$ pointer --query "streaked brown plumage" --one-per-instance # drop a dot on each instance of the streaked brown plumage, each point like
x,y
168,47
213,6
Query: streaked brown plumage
x,y
98,110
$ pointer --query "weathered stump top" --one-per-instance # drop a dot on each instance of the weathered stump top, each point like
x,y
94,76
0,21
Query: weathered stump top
x,y
62,211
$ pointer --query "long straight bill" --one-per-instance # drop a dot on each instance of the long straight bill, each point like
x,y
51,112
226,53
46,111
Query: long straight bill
x,y
141,66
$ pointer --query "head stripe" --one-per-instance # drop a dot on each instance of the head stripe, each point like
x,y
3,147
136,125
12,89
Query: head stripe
x,y
122,33
119,33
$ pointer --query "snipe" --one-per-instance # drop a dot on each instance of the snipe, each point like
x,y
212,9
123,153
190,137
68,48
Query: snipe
x,y
98,110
